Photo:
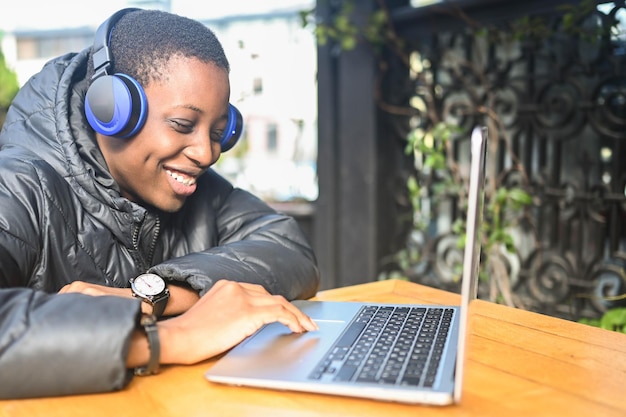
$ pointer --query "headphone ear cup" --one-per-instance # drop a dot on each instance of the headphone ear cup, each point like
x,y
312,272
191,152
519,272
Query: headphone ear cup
x,y
233,130
116,105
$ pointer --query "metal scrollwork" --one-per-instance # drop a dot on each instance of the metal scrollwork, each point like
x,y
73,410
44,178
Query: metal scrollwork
x,y
609,283
559,109
549,276
448,257
608,114
562,105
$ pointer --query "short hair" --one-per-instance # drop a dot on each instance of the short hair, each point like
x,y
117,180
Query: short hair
x,y
143,41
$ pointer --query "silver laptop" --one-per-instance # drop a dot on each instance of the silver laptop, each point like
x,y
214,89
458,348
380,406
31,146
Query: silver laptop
x,y
405,353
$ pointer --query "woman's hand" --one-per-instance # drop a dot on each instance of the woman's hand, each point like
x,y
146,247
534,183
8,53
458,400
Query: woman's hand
x,y
222,318
181,298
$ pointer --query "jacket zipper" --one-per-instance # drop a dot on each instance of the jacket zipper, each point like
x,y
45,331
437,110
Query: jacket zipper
x,y
142,262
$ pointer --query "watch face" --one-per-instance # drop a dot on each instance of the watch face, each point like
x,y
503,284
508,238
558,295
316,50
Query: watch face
x,y
149,284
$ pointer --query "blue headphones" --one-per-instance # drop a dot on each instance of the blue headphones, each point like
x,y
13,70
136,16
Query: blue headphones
x,y
116,105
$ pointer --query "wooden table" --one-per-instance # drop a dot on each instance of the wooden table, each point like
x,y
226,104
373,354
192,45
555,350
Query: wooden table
x,y
519,364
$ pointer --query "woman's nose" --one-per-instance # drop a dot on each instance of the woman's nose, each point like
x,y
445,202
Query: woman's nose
x,y
203,151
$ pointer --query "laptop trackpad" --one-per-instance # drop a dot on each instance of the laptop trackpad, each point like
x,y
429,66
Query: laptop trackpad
x,y
275,352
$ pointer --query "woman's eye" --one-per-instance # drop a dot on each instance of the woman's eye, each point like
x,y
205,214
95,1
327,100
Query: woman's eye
x,y
182,125
216,136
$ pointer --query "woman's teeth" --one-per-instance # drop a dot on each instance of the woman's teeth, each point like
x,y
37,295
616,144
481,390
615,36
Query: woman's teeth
x,y
181,179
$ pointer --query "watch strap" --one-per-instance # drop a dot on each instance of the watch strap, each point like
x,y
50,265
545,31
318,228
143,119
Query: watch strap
x,y
158,306
149,323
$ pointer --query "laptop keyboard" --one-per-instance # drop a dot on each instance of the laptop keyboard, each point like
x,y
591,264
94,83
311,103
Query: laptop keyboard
x,y
389,345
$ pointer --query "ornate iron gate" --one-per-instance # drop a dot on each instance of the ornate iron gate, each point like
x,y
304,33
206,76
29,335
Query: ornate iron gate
x,y
560,101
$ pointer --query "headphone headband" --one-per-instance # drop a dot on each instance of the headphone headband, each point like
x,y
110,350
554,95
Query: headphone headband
x,y
116,104
101,51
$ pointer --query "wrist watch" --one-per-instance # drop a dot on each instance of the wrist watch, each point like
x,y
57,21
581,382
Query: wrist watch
x,y
151,289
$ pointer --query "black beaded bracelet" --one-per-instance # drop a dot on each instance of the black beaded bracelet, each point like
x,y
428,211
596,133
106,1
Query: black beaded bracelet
x,y
149,323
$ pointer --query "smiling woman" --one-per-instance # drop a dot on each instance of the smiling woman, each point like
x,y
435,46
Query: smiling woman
x,y
120,247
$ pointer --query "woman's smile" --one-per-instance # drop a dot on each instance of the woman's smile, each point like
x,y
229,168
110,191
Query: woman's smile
x,y
182,184
181,177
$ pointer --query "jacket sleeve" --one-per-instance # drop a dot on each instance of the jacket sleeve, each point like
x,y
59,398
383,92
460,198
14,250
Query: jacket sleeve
x,y
256,244
51,344
62,344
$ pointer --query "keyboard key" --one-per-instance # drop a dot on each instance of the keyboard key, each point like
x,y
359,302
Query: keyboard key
x,y
345,373
351,334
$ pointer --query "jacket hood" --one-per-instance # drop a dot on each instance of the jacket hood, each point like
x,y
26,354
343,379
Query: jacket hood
x,y
47,120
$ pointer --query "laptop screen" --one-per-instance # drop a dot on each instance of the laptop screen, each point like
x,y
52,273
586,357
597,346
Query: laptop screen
x,y
471,259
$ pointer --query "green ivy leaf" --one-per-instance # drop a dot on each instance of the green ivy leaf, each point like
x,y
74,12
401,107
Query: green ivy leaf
x,y
614,319
590,321
458,227
342,23
509,243
348,43
412,185
520,196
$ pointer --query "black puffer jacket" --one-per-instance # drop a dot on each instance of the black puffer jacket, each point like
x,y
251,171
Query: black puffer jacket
x,y
62,219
